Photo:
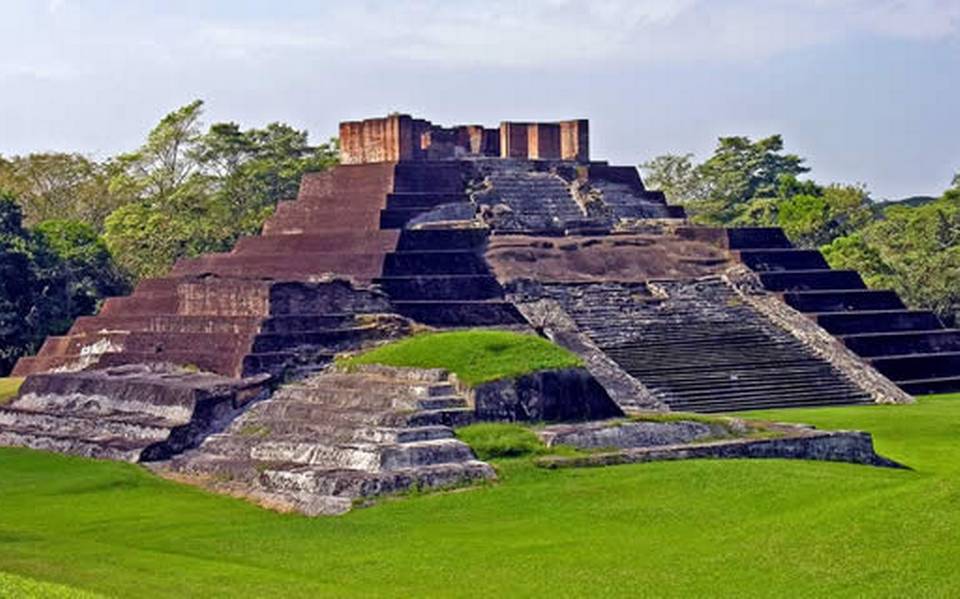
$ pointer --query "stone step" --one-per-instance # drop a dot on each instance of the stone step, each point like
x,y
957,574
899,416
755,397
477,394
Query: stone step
x,y
799,280
441,403
876,321
278,362
928,386
167,323
423,201
336,241
318,482
745,238
809,388
843,300
332,340
106,449
899,343
776,403
460,313
765,260
455,262
89,425
441,287
398,218
452,417
442,239
349,416
918,366
147,342
301,267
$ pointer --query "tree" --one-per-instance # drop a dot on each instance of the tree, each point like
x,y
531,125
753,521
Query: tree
x,y
676,176
914,250
90,272
719,190
48,277
60,186
814,219
199,192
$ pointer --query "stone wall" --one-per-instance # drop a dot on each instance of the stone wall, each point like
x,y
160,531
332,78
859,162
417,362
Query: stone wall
x,y
548,395
400,137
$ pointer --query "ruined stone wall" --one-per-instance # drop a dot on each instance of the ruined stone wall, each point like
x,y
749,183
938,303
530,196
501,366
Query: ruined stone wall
x,y
401,137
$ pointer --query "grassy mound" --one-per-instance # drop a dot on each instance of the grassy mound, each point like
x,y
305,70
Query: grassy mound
x,y
475,356
745,528
8,389
490,440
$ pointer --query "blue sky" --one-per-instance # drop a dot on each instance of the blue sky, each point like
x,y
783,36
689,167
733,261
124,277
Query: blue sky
x,y
867,90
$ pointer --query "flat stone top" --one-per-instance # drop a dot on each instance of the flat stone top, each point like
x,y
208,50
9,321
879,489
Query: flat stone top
x,y
607,258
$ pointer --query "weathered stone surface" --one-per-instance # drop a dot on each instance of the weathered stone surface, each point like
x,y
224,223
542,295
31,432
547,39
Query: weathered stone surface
x,y
130,413
319,445
627,434
547,395
697,345
880,388
840,446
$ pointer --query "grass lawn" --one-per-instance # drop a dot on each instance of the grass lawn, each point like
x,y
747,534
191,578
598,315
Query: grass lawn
x,y
8,389
476,355
682,529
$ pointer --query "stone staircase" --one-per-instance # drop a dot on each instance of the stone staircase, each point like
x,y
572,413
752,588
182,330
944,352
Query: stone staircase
x,y
540,201
129,413
323,443
700,349
440,277
911,347
623,192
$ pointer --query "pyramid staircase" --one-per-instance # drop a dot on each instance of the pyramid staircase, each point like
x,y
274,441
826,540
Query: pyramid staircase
x,y
912,348
702,350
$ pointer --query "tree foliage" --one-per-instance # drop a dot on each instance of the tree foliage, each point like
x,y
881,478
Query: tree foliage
x,y
198,191
60,186
48,277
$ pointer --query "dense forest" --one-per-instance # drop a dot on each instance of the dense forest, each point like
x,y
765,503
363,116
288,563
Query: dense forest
x,y
74,230
911,246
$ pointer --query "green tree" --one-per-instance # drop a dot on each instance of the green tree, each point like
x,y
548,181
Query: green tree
x,y
199,191
720,190
914,250
677,176
811,220
60,186
90,273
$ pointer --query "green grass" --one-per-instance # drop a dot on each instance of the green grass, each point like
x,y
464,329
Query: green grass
x,y
490,440
677,529
25,588
475,356
8,389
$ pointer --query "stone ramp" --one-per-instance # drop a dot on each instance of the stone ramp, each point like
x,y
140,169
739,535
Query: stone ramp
x,y
328,441
128,413
699,348
912,348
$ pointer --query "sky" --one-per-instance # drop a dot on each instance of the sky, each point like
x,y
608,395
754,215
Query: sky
x,y
867,90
